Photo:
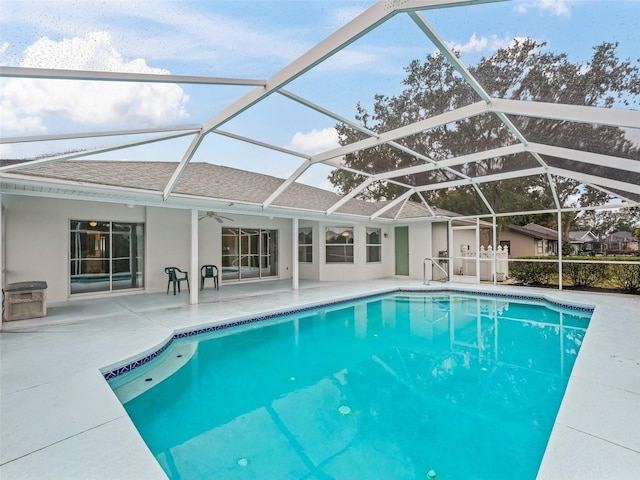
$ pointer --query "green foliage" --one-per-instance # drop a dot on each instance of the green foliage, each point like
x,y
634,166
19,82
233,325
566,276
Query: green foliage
x,y
628,277
567,248
523,71
536,273
603,223
602,274
584,275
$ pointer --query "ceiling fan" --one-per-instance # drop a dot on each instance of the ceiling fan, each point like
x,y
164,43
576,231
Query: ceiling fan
x,y
216,216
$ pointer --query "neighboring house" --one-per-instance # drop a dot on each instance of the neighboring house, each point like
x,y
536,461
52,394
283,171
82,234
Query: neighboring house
x,y
529,240
621,243
583,242
618,243
94,228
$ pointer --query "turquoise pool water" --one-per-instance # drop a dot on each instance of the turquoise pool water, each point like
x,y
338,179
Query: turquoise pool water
x,y
405,386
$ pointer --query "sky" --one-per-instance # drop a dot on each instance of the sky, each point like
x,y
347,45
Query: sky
x,y
250,40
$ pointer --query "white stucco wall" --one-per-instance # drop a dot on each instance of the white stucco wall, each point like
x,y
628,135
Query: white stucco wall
x,y
167,244
466,236
359,269
439,235
419,248
37,237
36,241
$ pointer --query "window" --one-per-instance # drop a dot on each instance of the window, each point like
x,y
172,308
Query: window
x,y
305,245
374,245
339,244
540,246
105,256
249,253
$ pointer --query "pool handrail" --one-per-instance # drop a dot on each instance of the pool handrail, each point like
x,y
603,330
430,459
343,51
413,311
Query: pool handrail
x,y
434,263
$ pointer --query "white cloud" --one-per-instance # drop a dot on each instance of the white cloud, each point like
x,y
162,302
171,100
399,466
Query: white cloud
x,y
4,47
139,104
556,7
13,122
316,140
167,30
482,44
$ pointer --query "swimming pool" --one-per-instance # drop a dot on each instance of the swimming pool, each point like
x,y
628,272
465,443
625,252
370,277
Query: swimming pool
x,y
399,386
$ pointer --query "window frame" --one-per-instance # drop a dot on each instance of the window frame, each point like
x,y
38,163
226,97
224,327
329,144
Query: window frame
x,y
370,247
105,235
249,253
307,247
347,246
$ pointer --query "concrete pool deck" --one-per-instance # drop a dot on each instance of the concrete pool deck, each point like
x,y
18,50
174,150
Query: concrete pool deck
x,y
59,419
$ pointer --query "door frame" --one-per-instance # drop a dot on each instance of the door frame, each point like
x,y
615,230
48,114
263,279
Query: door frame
x,y
401,251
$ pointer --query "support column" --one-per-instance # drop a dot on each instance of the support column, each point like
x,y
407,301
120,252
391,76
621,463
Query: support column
x,y
450,249
194,272
294,253
477,250
495,252
559,250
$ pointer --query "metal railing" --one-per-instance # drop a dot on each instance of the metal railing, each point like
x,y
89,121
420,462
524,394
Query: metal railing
x,y
434,263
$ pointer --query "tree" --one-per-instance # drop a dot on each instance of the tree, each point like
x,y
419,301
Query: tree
x,y
604,223
524,71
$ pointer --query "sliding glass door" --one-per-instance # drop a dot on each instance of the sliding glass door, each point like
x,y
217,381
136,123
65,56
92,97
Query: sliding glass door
x,y
105,256
249,253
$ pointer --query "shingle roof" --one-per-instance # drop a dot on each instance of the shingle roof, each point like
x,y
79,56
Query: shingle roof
x,y
579,236
217,182
535,231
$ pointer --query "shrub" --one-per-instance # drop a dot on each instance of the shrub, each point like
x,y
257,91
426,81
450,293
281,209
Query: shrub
x,y
625,277
533,272
628,277
584,274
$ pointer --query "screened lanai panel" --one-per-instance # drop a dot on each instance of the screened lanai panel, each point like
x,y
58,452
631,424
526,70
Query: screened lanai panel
x,y
428,178
497,165
371,65
634,197
380,159
290,127
221,149
561,28
526,194
137,175
443,151
463,137
162,145
626,176
463,200
586,137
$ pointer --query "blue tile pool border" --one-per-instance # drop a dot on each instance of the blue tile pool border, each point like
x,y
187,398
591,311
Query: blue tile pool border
x,y
128,367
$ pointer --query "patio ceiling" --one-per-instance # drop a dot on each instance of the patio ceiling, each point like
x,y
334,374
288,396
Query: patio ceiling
x,y
619,177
